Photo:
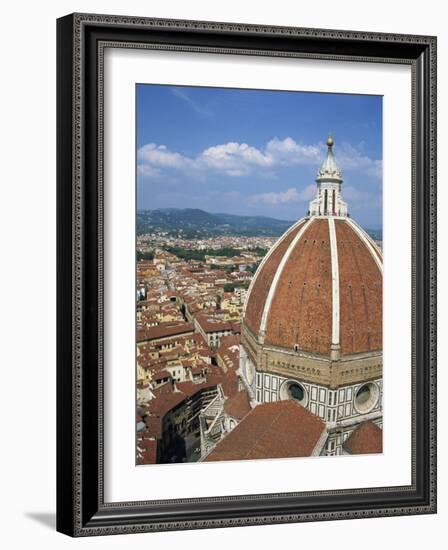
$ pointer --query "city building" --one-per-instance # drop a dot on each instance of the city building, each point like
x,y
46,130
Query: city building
x,y
312,321
213,329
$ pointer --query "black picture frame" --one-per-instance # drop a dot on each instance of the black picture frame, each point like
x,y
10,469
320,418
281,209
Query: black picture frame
x,y
81,510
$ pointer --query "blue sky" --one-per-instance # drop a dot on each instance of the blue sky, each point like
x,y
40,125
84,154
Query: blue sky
x,y
255,152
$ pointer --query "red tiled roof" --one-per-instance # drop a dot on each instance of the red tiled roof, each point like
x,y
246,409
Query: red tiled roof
x,y
163,331
146,451
227,342
213,325
198,369
199,339
271,430
190,388
146,362
236,327
165,400
154,426
161,375
229,383
367,438
238,405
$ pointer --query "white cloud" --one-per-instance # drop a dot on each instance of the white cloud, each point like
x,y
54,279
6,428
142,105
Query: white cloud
x,y
234,159
354,195
375,169
148,171
288,152
292,195
158,156
282,197
351,158
241,159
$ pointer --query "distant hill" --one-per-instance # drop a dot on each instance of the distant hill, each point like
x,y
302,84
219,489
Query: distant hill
x,y
193,223
196,223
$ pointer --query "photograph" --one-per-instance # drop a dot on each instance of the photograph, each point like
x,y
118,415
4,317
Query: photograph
x,y
230,350
229,235
259,274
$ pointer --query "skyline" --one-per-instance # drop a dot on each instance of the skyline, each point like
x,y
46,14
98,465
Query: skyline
x,y
255,152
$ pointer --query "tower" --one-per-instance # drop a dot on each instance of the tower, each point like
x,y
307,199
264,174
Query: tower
x,y
328,201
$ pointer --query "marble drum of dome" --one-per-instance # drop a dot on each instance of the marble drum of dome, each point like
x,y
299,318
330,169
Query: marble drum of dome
x,y
312,325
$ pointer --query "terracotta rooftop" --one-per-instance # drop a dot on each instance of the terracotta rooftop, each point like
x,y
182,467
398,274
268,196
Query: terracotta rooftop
x,y
154,426
236,327
149,455
238,405
229,342
190,388
165,399
367,438
229,353
163,331
146,451
210,324
161,375
271,430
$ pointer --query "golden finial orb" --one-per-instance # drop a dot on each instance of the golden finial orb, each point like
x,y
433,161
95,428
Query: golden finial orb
x,y
330,141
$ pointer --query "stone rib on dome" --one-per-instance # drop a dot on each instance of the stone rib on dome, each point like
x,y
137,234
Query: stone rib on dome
x,y
299,313
264,276
301,310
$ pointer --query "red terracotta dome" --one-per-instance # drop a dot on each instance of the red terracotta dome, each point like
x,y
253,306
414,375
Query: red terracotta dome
x,y
319,290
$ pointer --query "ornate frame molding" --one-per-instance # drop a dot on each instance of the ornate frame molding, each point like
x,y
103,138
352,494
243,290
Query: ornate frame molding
x,y
81,42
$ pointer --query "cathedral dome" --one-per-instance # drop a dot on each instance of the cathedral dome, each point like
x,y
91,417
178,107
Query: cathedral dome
x,y
319,289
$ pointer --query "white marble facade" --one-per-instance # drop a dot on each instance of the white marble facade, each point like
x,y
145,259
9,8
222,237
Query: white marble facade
x,y
342,409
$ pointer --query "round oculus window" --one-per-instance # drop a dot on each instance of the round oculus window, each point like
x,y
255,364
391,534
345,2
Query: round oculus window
x,y
366,397
294,391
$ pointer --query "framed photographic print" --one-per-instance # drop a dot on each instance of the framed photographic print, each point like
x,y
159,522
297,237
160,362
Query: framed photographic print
x,y
246,274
